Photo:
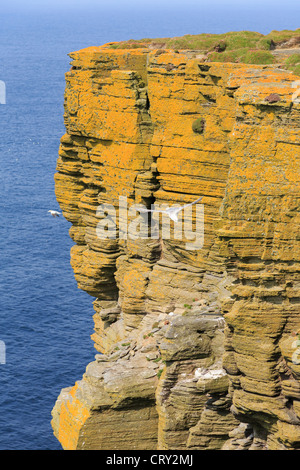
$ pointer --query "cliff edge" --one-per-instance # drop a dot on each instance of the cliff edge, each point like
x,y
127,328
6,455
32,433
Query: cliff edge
x,y
196,330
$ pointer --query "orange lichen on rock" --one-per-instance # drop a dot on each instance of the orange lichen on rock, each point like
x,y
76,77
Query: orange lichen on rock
x,y
70,417
162,126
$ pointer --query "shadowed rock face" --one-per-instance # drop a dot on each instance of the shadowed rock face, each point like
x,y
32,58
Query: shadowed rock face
x,y
197,346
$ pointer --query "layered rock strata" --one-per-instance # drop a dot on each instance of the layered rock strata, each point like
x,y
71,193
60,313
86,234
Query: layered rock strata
x,y
194,333
260,239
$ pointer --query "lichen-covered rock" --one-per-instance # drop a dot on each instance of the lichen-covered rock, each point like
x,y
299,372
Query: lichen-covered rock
x,y
259,230
194,335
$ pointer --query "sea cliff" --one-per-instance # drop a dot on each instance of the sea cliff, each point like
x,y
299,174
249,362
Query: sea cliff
x,y
196,348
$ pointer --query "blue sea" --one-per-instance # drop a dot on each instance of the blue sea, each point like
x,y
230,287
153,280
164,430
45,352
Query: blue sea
x,y
45,320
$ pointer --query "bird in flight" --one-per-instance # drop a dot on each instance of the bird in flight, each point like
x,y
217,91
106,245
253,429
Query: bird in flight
x,y
54,213
172,212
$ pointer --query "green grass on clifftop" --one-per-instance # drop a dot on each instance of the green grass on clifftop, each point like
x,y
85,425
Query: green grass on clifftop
x,y
238,46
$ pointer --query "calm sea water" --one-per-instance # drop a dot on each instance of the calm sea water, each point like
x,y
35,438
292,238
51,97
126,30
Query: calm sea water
x,y
45,321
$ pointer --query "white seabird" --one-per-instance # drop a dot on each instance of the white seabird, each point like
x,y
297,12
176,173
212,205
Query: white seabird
x,y
171,211
54,213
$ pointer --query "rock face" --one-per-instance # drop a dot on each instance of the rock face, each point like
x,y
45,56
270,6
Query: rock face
x,y
196,337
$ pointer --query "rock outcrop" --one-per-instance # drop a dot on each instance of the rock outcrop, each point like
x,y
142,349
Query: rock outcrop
x,y
196,338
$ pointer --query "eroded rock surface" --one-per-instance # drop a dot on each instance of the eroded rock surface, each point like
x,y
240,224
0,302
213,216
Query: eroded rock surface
x,y
196,346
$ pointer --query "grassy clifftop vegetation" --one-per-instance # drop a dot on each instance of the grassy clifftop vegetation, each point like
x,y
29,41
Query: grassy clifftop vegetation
x,y
239,46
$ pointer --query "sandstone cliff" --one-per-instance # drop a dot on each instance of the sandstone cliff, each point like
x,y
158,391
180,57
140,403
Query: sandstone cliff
x,y
197,348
